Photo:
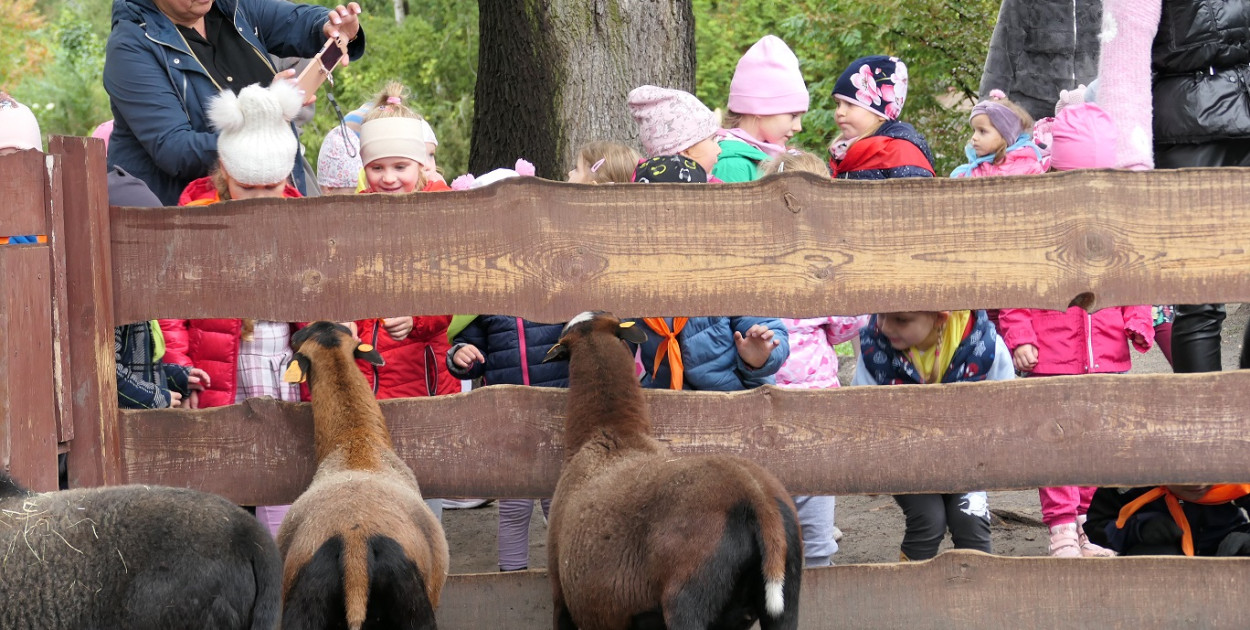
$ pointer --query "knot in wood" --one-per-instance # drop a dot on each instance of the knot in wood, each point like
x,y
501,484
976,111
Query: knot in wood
x,y
576,264
792,202
1097,245
765,436
311,279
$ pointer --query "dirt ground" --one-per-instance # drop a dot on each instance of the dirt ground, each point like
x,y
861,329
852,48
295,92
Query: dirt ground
x,y
872,526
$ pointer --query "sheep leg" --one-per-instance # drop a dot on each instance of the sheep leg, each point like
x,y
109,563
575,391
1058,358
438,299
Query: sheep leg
x,y
316,599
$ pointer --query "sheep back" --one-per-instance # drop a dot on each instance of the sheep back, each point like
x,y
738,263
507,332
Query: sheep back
x,y
629,533
135,557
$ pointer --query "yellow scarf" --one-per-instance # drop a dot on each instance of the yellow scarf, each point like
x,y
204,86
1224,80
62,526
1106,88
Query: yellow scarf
x,y
933,362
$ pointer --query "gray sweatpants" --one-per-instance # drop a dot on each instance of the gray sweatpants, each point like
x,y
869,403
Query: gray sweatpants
x,y
967,516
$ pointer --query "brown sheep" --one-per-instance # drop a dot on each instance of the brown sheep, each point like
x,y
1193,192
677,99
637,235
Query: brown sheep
x,y
640,538
360,545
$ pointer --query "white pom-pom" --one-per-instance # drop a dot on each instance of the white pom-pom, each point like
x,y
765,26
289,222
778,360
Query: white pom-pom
x,y
224,112
289,98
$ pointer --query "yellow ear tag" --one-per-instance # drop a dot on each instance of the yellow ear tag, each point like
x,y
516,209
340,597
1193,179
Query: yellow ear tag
x,y
364,347
627,324
293,374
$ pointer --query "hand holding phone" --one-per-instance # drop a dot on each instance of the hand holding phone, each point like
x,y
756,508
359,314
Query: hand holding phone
x,y
324,63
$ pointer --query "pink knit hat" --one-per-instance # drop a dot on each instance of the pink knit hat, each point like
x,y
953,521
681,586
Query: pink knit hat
x,y
767,81
103,131
670,121
18,127
1083,136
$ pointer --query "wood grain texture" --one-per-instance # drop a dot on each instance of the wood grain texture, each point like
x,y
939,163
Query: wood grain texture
x,y
22,191
507,441
95,458
54,213
27,403
962,589
795,245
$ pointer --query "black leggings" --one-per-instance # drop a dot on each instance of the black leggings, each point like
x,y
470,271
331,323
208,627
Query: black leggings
x,y
930,515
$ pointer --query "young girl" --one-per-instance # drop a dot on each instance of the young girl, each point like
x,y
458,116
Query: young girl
x,y
767,100
1002,141
673,122
873,143
604,162
394,146
813,364
935,347
242,358
1050,343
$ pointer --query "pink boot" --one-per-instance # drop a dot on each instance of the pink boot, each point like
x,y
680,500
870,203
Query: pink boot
x,y
1064,541
1089,549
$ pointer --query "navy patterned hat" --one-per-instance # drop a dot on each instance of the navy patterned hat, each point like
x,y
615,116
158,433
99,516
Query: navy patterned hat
x,y
877,83
669,169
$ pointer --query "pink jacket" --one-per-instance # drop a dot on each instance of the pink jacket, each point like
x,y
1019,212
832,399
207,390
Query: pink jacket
x,y
1076,342
813,364
1022,161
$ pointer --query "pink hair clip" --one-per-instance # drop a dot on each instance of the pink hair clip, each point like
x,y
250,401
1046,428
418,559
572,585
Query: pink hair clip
x,y
393,100
997,94
595,167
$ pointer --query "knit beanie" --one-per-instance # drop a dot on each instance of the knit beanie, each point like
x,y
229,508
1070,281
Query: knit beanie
x,y
18,127
393,137
670,121
1006,122
767,81
427,133
877,83
256,145
669,169
1083,136
338,162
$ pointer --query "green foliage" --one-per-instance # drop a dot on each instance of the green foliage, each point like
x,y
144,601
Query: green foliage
x,y
22,49
68,95
433,53
943,42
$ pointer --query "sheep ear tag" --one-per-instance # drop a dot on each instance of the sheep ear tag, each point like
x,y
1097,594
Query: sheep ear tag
x,y
296,370
629,332
368,353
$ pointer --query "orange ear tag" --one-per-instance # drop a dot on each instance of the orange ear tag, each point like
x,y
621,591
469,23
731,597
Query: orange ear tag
x,y
627,324
293,373
364,347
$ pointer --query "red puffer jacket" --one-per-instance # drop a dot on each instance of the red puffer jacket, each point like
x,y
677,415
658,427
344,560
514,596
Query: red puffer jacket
x,y
211,345
416,365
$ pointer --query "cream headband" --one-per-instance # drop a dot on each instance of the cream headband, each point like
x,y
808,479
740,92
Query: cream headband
x,y
393,137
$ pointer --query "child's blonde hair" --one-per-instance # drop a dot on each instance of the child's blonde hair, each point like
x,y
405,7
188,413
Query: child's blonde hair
x,y
1026,121
616,161
792,162
392,102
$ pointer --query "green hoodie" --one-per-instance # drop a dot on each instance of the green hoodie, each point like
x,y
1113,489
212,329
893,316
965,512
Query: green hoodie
x,y
738,162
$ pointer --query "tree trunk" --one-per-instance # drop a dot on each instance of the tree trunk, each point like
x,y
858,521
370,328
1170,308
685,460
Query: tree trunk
x,y
401,10
553,75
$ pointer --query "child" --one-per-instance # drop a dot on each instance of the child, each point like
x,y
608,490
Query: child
x,y
1050,343
604,162
19,131
394,146
935,347
673,122
874,144
1172,520
767,100
813,364
338,162
1002,141
243,358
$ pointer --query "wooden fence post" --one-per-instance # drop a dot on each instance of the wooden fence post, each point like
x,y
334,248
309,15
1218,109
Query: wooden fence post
x,y
54,212
95,455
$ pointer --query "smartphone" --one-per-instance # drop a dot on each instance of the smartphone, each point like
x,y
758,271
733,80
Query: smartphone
x,y
322,65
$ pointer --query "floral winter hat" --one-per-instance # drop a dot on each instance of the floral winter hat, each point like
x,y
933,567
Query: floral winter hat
x,y
877,83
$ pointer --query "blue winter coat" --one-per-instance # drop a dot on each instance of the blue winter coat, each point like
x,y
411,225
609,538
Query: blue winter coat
x,y
710,357
497,338
159,92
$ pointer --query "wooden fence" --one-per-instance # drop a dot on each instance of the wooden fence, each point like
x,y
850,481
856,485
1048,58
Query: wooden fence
x,y
790,246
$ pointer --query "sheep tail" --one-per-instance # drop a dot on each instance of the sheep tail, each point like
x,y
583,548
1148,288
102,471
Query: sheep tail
x,y
356,579
774,540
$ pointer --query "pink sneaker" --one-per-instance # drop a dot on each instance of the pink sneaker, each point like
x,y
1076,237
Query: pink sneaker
x,y
1064,541
1089,549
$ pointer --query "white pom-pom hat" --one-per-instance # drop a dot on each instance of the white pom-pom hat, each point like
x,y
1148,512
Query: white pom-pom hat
x,y
256,144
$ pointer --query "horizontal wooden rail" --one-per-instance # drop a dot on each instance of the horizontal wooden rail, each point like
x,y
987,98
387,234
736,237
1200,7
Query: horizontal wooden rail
x,y
795,245
955,590
506,441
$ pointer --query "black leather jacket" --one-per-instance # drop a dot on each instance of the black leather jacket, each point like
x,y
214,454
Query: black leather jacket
x,y
1201,61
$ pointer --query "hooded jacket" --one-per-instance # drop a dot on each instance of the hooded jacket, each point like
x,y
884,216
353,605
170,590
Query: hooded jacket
x,y
159,91
738,162
1023,157
710,357
898,150
1077,342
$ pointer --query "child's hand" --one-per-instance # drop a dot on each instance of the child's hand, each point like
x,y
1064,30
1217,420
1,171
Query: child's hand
x,y
756,346
355,330
1025,357
175,399
198,380
398,327
192,401
466,356
1138,340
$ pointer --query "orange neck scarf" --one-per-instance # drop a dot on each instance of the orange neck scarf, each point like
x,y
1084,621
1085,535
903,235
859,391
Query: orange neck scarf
x,y
668,347
1221,493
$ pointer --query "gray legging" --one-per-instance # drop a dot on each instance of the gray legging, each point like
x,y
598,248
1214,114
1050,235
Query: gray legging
x,y
930,515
